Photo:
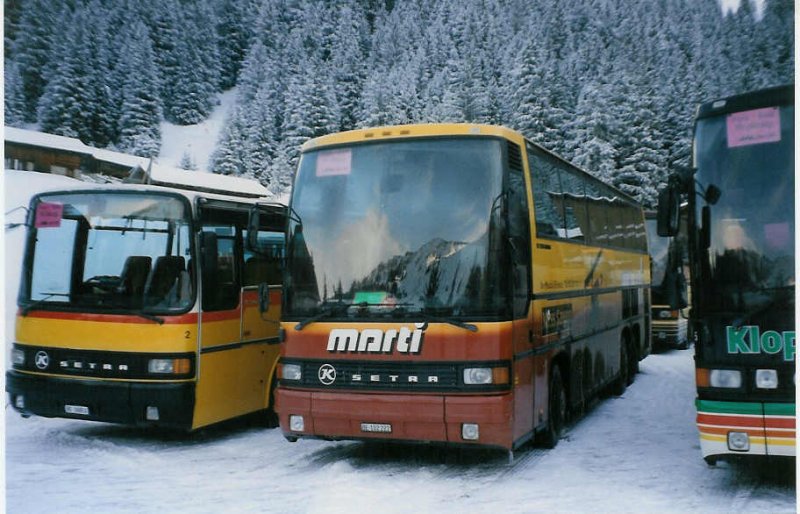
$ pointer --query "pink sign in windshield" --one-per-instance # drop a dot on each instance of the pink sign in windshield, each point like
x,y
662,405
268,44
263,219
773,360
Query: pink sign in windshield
x,y
336,162
48,215
754,127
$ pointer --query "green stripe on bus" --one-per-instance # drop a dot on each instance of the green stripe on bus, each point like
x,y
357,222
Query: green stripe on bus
x,y
728,407
754,409
779,409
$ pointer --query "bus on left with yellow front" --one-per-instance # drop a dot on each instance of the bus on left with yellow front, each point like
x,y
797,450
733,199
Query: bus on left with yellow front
x,y
142,305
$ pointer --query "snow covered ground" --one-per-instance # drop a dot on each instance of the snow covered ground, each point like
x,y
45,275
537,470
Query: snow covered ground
x,y
636,453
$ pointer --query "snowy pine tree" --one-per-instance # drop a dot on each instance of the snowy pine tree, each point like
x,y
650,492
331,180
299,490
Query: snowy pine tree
x,y
139,125
15,111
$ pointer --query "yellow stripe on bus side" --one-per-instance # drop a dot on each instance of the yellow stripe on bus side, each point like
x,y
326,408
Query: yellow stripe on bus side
x,y
147,336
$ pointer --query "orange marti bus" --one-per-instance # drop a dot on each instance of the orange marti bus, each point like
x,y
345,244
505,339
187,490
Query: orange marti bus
x,y
455,284
140,305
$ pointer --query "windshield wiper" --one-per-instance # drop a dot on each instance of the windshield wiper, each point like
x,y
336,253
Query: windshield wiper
x,y
324,313
449,321
31,306
400,309
438,319
151,317
344,307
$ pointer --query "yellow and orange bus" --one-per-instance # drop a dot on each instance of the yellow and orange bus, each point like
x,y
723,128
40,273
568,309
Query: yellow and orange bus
x,y
455,283
141,305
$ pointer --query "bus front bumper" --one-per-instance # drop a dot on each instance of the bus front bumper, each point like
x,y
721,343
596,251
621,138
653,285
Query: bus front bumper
x,y
128,403
472,420
736,428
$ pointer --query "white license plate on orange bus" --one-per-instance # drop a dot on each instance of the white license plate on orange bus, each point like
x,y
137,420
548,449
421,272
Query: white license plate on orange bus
x,y
380,428
76,409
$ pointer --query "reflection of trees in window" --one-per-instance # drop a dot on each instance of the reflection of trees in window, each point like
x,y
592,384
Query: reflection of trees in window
x,y
546,185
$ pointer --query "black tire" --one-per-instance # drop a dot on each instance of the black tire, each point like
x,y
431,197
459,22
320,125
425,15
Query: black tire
x,y
270,416
633,364
556,409
621,383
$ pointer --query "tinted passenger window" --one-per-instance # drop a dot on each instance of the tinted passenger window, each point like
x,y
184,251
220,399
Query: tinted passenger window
x,y
546,194
220,267
575,216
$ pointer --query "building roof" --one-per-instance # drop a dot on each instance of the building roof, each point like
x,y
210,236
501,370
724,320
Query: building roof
x,y
149,171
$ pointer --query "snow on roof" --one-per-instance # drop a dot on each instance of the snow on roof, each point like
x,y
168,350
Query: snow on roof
x,y
34,138
203,181
156,173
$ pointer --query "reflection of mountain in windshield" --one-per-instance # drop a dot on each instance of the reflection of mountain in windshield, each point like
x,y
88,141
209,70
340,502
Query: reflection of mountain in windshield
x,y
440,273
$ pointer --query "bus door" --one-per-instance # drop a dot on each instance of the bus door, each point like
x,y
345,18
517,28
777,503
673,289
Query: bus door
x,y
261,296
234,358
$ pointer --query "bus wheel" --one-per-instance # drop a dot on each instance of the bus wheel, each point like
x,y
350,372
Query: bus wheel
x,y
621,383
557,410
270,417
633,364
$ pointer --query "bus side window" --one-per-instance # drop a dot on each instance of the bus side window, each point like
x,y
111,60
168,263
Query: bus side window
x,y
220,272
574,196
598,214
519,233
546,189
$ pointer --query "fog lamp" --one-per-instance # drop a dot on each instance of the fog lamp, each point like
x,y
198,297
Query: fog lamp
x,y
727,378
738,441
152,413
470,431
19,402
168,366
291,372
766,379
296,423
17,357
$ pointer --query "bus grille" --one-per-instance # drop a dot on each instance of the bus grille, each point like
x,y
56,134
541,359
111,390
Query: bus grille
x,y
385,376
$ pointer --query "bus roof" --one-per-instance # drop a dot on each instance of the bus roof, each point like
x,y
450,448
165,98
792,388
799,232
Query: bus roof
x,y
409,131
781,95
192,195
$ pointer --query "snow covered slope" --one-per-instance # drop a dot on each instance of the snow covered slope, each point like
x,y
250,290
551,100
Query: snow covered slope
x,y
198,141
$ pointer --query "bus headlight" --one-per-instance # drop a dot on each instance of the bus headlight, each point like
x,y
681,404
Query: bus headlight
x,y
725,378
766,379
17,357
168,366
485,376
291,372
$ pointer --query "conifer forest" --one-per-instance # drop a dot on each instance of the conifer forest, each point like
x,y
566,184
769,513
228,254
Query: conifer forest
x,y
611,85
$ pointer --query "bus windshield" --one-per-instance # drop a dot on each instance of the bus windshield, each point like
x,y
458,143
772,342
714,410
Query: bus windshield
x,y
109,252
749,267
405,226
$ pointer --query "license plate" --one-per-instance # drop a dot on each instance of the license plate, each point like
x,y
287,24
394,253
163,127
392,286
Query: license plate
x,y
76,409
381,428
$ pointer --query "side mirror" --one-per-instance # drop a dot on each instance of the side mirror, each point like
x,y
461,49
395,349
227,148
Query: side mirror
x,y
253,225
263,297
668,215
